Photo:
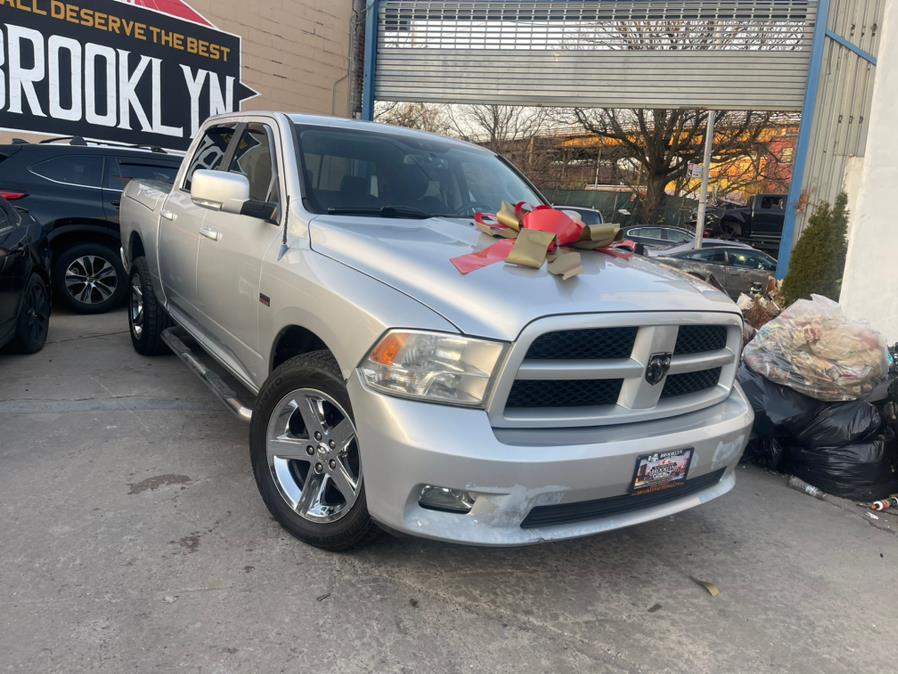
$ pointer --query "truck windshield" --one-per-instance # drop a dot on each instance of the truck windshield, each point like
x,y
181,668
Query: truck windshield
x,y
385,174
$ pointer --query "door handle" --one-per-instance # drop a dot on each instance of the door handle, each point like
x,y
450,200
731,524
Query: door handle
x,y
210,233
115,203
168,215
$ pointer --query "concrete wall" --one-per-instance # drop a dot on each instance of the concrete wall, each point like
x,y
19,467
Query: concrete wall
x,y
870,285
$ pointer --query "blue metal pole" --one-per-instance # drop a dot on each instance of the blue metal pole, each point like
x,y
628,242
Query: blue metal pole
x,y
370,59
804,139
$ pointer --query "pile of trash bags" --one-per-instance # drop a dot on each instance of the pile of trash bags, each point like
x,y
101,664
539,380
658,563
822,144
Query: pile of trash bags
x,y
813,348
810,375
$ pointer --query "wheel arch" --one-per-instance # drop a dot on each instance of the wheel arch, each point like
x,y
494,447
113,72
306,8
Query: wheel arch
x,y
71,235
135,247
294,340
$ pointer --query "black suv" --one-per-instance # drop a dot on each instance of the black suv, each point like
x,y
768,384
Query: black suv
x,y
73,187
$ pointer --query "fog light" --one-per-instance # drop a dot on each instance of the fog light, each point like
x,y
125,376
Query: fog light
x,y
446,500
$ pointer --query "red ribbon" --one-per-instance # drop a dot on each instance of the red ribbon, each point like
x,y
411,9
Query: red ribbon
x,y
543,218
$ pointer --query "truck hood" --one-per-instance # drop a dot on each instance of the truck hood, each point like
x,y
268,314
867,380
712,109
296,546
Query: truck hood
x,y
498,301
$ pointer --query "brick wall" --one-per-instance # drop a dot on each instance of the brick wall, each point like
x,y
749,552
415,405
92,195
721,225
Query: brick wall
x,y
295,52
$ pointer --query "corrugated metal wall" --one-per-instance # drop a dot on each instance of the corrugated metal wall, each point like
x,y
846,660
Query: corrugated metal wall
x,y
839,129
715,54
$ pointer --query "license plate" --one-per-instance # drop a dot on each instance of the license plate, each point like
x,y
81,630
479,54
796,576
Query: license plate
x,y
661,470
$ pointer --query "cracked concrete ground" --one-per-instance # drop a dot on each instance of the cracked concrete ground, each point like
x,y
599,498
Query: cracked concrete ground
x,y
132,539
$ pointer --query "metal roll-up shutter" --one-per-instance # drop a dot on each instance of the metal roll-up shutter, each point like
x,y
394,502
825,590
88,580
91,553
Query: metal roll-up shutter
x,y
716,54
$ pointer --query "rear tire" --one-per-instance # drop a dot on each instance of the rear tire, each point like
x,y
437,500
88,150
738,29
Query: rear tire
x,y
89,278
33,322
306,464
146,316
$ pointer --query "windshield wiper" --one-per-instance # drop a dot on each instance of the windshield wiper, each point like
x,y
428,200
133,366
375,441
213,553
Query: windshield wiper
x,y
384,212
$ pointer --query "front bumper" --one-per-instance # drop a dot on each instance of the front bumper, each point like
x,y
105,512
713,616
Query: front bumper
x,y
406,444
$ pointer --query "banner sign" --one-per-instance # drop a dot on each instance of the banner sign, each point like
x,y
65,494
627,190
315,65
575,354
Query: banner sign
x,y
109,70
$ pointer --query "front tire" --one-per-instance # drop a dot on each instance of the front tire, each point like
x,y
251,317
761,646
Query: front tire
x,y
33,322
146,316
89,278
305,454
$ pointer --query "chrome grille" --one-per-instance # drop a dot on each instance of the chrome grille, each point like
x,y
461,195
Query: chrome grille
x,y
592,370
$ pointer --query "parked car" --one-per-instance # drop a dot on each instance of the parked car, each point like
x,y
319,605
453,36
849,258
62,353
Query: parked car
x,y
589,216
759,224
24,281
657,237
686,247
738,269
502,407
73,189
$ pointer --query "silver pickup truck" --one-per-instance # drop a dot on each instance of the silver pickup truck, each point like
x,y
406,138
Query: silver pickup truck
x,y
301,265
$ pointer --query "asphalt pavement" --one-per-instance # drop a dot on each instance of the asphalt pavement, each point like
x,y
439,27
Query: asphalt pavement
x,y
132,539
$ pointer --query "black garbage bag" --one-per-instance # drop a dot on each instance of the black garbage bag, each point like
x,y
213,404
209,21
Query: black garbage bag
x,y
766,452
862,471
779,411
840,424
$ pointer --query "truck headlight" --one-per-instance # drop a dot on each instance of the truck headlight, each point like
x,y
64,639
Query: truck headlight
x,y
432,366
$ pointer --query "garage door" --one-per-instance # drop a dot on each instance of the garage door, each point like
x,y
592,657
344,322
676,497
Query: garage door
x,y
715,54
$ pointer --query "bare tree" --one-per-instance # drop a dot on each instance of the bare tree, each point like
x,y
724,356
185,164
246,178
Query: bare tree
x,y
497,127
421,116
662,143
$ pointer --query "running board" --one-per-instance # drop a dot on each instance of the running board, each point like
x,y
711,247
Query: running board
x,y
221,383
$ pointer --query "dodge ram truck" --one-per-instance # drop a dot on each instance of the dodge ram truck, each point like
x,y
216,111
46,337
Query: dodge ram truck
x,y
301,266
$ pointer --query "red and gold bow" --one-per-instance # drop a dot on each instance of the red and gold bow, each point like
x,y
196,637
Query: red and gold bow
x,y
532,237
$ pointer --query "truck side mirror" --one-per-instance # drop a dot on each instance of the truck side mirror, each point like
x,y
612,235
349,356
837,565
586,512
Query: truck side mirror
x,y
219,190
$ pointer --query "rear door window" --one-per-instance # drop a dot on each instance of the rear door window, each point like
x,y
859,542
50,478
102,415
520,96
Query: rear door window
x,y
210,153
712,255
675,236
121,170
77,170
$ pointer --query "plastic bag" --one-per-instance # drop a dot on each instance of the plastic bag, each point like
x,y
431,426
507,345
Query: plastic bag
x,y
815,349
841,424
779,411
767,452
863,471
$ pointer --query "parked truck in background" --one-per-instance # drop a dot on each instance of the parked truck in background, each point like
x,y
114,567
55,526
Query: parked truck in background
x,y
760,223
301,265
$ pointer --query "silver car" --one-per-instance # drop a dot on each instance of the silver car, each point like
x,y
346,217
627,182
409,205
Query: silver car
x,y
301,265
737,268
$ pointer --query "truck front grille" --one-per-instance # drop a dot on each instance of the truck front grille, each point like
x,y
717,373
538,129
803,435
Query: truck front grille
x,y
564,393
599,374
572,344
690,382
699,338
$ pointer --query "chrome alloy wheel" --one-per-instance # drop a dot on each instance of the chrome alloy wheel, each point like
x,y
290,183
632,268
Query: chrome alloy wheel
x,y
313,455
135,312
91,279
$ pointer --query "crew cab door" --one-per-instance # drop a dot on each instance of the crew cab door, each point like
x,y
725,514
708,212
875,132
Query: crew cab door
x,y
768,214
181,222
233,247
